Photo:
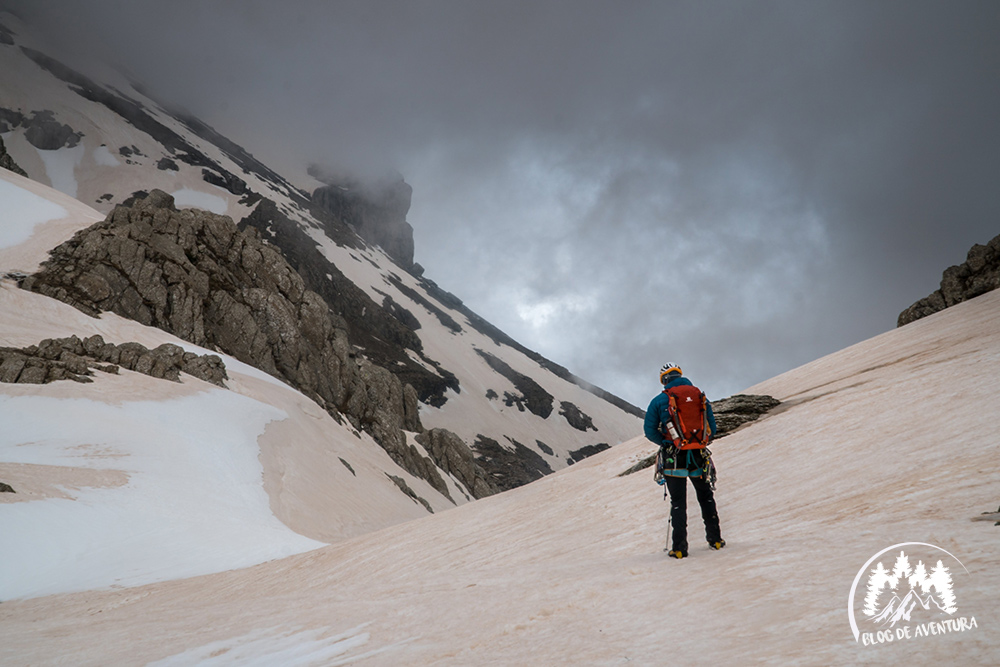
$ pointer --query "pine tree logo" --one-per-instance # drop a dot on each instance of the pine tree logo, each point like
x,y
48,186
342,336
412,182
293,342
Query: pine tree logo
x,y
906,600
894,596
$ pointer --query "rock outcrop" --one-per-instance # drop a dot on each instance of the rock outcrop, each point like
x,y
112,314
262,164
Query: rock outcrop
x,y
735,411
377,212
405,488
533,396
580,454
980,273
197,276
385,331
45,133
7,162
75,359
509,468
454,457
576,417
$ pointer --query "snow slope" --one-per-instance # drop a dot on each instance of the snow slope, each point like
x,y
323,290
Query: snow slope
x,y
131,479
886,442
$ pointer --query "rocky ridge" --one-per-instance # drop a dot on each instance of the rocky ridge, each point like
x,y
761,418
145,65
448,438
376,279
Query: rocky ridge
x,y
75,359
199,277
980,273
385,331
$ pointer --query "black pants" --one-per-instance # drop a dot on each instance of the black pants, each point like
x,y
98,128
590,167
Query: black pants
x,y
677,486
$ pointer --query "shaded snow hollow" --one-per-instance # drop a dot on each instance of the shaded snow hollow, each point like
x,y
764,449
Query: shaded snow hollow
x,y
889,441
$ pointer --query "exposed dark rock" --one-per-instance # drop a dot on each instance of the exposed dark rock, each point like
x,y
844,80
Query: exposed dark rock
x,y
129,151
26,367
44,132
6,488
537,400
136,196
225,180
197,276
454,457
377,212
509,468
405,317
980,273
405,488
7,162
730,413
584,452
642,464
16,276
10,119
576,417
490,394
511,400
165,164
348,466
383,333
73,359
443,317
545,448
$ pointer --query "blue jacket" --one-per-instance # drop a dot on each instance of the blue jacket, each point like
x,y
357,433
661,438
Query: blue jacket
x,y
657,414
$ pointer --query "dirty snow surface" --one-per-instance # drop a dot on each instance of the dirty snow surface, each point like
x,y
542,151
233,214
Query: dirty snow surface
x,y
891,441
192,504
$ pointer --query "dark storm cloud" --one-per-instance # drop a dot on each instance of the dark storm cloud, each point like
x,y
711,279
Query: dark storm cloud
x,y
738,187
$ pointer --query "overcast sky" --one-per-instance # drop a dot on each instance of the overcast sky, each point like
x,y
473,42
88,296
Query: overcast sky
x,y
737,187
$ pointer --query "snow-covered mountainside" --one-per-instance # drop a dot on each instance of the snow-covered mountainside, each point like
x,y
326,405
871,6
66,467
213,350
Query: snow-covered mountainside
x,y
190,489
102,141
890,441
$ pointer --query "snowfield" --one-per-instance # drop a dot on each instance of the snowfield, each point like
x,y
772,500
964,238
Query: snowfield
x,y
178,523
190,499
155,518
130,480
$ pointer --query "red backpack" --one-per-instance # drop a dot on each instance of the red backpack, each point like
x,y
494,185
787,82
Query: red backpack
x,y
689,417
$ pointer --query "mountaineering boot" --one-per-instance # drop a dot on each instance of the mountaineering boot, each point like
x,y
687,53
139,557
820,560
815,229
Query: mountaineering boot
x,y
677,553
717,545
